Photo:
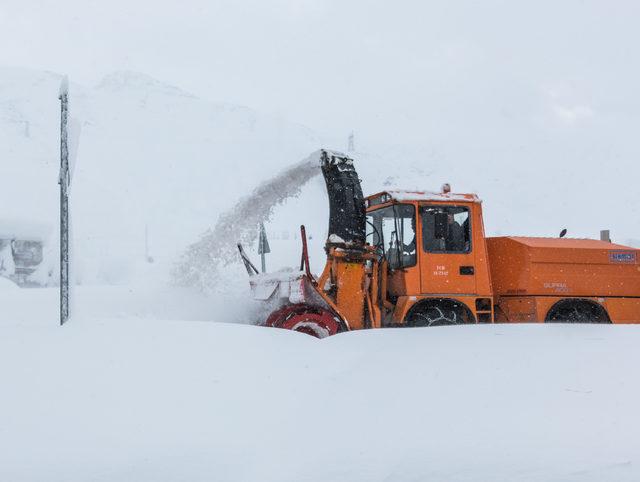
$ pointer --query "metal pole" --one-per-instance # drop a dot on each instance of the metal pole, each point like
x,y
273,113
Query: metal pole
x,y
64,203
263,247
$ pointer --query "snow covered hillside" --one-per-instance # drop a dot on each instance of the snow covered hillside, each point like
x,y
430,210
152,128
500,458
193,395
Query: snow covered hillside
x,y
150,155
157,159
116,396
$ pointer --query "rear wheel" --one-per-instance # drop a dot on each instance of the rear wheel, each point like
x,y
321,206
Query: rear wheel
x,y
577,311
439,313
303,318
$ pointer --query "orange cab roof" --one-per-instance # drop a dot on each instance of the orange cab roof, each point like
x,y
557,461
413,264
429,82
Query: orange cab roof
x,y
403,195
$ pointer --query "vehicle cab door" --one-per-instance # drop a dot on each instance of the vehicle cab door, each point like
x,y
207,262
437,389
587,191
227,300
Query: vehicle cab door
x,y
392,230
447,262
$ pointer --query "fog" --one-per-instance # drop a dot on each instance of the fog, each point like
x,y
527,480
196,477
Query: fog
x,y
390,71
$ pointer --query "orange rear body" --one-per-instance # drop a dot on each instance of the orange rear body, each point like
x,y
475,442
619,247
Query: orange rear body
x,y
530,275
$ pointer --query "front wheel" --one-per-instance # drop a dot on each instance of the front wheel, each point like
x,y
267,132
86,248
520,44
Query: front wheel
x,y
439,313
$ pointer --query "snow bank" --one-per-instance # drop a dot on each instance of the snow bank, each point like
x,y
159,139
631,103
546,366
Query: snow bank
x,y
107,399
7,285
151,159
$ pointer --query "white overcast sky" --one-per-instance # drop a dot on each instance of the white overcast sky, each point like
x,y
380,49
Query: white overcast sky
x,y
335,65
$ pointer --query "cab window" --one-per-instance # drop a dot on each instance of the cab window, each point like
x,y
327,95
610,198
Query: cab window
x,y
445,229
393,231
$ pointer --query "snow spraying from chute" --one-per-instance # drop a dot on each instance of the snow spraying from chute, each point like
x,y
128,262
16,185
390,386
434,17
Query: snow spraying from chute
x,y
200,265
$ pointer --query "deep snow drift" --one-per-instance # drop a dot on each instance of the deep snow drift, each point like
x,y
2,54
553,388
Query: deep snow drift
x,y
119,397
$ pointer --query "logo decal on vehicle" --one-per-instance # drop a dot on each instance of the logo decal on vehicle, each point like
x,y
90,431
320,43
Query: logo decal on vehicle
x,y
557,287
625,257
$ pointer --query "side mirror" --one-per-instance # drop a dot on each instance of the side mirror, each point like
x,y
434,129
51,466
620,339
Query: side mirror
x,y
441,225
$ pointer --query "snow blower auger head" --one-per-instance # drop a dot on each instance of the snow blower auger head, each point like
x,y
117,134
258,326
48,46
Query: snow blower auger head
x,y
335,301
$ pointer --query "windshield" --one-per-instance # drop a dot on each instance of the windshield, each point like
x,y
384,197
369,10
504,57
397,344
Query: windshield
x,y
392,231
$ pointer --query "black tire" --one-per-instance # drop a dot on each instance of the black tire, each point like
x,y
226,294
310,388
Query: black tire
x,y
577,311
442,312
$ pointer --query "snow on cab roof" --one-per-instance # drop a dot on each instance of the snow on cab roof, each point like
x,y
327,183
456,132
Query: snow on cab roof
x,y
403,195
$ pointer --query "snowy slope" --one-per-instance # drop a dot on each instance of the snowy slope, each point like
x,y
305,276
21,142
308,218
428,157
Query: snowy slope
x,y
111,397
149,155
154,156
29,149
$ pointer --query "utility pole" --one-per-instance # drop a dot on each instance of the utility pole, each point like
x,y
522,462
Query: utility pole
x,y
263,247
64,181
351,147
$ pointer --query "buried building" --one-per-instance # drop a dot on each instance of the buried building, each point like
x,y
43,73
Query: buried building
x,y
23,253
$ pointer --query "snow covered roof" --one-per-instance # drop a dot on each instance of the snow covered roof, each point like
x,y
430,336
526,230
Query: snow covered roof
x,y
403,195
25,230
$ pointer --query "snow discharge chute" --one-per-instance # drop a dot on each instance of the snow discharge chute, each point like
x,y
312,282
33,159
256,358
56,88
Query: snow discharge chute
x,y
347,216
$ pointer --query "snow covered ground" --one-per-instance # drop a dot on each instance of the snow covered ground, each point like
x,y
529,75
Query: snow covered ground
x,y
531,105
150,382
123,393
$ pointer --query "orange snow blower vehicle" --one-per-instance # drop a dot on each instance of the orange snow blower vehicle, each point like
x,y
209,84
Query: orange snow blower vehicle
x,y
403,258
